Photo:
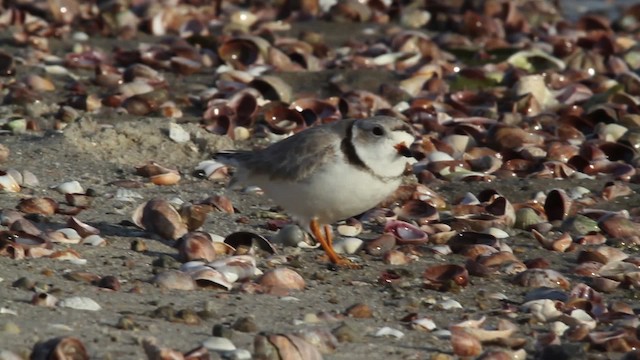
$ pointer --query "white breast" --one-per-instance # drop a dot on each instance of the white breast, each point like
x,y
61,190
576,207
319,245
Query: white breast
x,y
335,192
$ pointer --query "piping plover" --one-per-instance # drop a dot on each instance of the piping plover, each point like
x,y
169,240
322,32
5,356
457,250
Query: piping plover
x,y
328,172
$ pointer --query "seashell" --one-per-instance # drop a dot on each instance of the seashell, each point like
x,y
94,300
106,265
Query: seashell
x,y
395,257
82,228
347,245
64,236
557,205
63,347
267,346
560,244
154,351
272,88
282,278
38,205
243,51
579,224
446,276
542,277
352,228
526,217
8,183
236,268
170,178
405,233
417,210
211,170
196,246
619,227
423,324
159,217
94,240
248,243
389,332
79,303
380,245
293,235
220,203
208,277
543,310
463,343
25,226
283,120
320,338
174,279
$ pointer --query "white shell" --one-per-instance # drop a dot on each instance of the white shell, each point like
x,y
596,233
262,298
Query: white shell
x,y
80,303
216,343
558,327
94,240
8,183
498,233
543,310
449,304
424,324
69,187
347,245
387,331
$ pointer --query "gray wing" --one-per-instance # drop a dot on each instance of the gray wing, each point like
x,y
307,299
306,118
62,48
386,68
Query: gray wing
x,y
293,158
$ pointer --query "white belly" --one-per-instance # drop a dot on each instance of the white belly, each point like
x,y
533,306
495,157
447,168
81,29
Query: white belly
x,y
331,194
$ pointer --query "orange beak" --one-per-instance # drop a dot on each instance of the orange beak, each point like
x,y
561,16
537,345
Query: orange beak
x,y
403,150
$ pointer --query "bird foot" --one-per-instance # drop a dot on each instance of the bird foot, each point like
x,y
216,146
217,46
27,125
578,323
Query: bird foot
x,y
326,241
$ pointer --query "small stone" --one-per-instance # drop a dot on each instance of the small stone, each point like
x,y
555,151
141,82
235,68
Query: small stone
x,y
138,245
109,282
11,328
245,324
178,134
166,261
24,283
188,317
126,323
80,303
346,333
221,330
359,311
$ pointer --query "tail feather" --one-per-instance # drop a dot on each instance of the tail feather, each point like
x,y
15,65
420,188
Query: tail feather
x,y
233,158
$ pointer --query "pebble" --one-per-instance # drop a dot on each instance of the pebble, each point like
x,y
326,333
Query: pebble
x,y
138,245
174,279
245,325
178,134
219,344
359,311
346,333
80,303
11,328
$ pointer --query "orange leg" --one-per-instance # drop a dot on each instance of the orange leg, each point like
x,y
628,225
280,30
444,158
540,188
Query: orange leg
x,y
326,241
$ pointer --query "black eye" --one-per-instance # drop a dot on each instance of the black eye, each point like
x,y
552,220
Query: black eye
x,y
377,131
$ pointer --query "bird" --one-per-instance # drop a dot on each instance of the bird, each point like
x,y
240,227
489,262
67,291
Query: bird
x,y
328,172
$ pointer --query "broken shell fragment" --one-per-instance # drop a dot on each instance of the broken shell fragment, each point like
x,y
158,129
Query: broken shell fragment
x,y
542,277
